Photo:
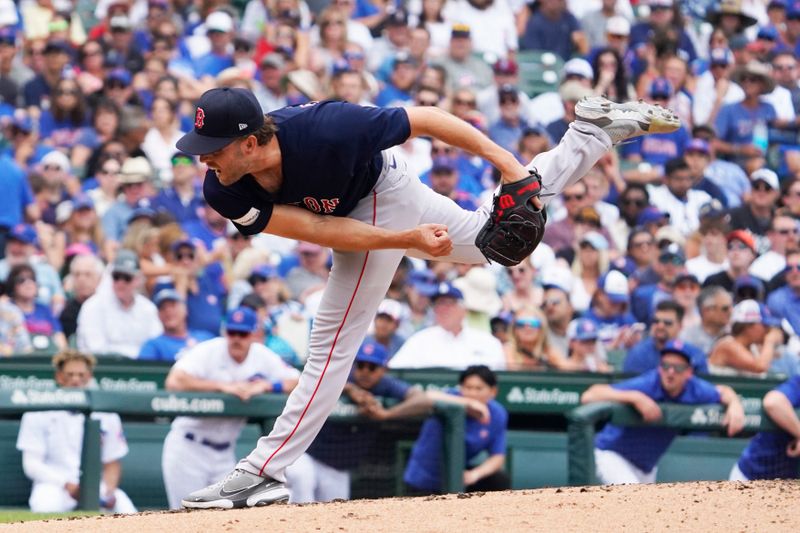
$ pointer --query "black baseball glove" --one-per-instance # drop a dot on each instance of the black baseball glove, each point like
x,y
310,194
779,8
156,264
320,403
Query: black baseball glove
x,y
514,228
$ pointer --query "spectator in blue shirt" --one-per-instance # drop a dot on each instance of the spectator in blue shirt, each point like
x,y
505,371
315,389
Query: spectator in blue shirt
x,y
134,175
398,90
662,21
208,228
665,327
508,129
784,302
37,91
219,29
177,336
774,454
16,202
740,125
485,432
23,146
631,454
183,198
609,309
551,27
202,287
444,178
671,262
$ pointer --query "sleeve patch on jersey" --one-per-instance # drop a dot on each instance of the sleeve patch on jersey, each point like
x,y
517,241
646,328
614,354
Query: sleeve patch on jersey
x,y
249,217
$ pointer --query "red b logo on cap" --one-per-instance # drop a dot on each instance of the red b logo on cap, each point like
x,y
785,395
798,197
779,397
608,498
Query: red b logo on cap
x,y
199,118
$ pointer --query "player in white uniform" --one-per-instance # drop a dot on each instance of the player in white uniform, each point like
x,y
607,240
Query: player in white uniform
x,y
51,443
198,450
326,173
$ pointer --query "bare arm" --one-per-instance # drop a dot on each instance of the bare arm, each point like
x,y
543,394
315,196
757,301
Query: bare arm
x,y
601,392
490,466
435,122
781,411
416,403
112,473
737,356
734,412
347,234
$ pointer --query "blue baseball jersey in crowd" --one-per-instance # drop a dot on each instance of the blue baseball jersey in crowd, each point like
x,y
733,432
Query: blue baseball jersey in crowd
x,y
735,122
337,444
207,305
644,356
424,466
609,327
196,228
644,446
41,321
17,194
330,157
785,303
166,347
765,456
658,148
168,201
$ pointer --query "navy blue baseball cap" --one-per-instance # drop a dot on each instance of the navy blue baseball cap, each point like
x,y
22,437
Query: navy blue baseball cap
x,y
372,352
241,319
167,295
222,116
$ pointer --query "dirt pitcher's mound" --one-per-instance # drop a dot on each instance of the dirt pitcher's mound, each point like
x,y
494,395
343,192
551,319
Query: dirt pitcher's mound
x,y
704,506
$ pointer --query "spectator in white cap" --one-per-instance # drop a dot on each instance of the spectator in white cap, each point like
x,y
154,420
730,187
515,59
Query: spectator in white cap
x,y
597,24
57,184
569,93
610,310
479,286
752,344
384,328
548,107
756,214
586,353
219,30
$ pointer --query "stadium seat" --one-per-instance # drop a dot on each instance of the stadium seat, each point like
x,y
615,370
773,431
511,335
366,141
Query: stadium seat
x,y
539,72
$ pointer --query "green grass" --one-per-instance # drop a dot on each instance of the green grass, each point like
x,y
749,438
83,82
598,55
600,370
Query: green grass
x,y
22,515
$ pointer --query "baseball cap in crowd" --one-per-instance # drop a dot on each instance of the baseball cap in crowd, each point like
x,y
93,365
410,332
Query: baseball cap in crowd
x,y
678,347
120,75
446,289
767,176
686,276
180,158
82,201
273,60
222,116
167,295
8,13
261,273
595,240
391,308
219,21
672,253
241,319
615,285
508,92
460,31
557,277
507,67
57,46
720,56
578,67
372,352
660,88
659,4
712,209
667,235
120,22
651,215
748,287
743,236
479,287
135,170
582,329
767,33
58,159
21,121
7,35
404,58
443,164
125,262
588,215
182,243
753,312
398,17
24,233
699,146
423,281
777,4
617,25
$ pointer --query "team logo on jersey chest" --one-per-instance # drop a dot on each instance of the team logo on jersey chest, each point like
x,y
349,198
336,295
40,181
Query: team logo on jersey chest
x,y
199,118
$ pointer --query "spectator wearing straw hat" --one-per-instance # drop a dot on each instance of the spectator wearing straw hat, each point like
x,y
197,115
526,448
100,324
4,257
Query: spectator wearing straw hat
x,y
135,174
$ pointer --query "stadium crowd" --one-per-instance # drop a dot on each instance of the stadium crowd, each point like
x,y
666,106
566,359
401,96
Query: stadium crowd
x,y
106,243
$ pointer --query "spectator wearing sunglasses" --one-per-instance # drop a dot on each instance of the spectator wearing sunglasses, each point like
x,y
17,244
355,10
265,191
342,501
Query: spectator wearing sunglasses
x,y
756,213
741,254
631,454
183,198
715,305
782,236
323,474
117,319
198,449
43,327
529,348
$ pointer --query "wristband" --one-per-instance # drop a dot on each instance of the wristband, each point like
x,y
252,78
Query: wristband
x,y
277,387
